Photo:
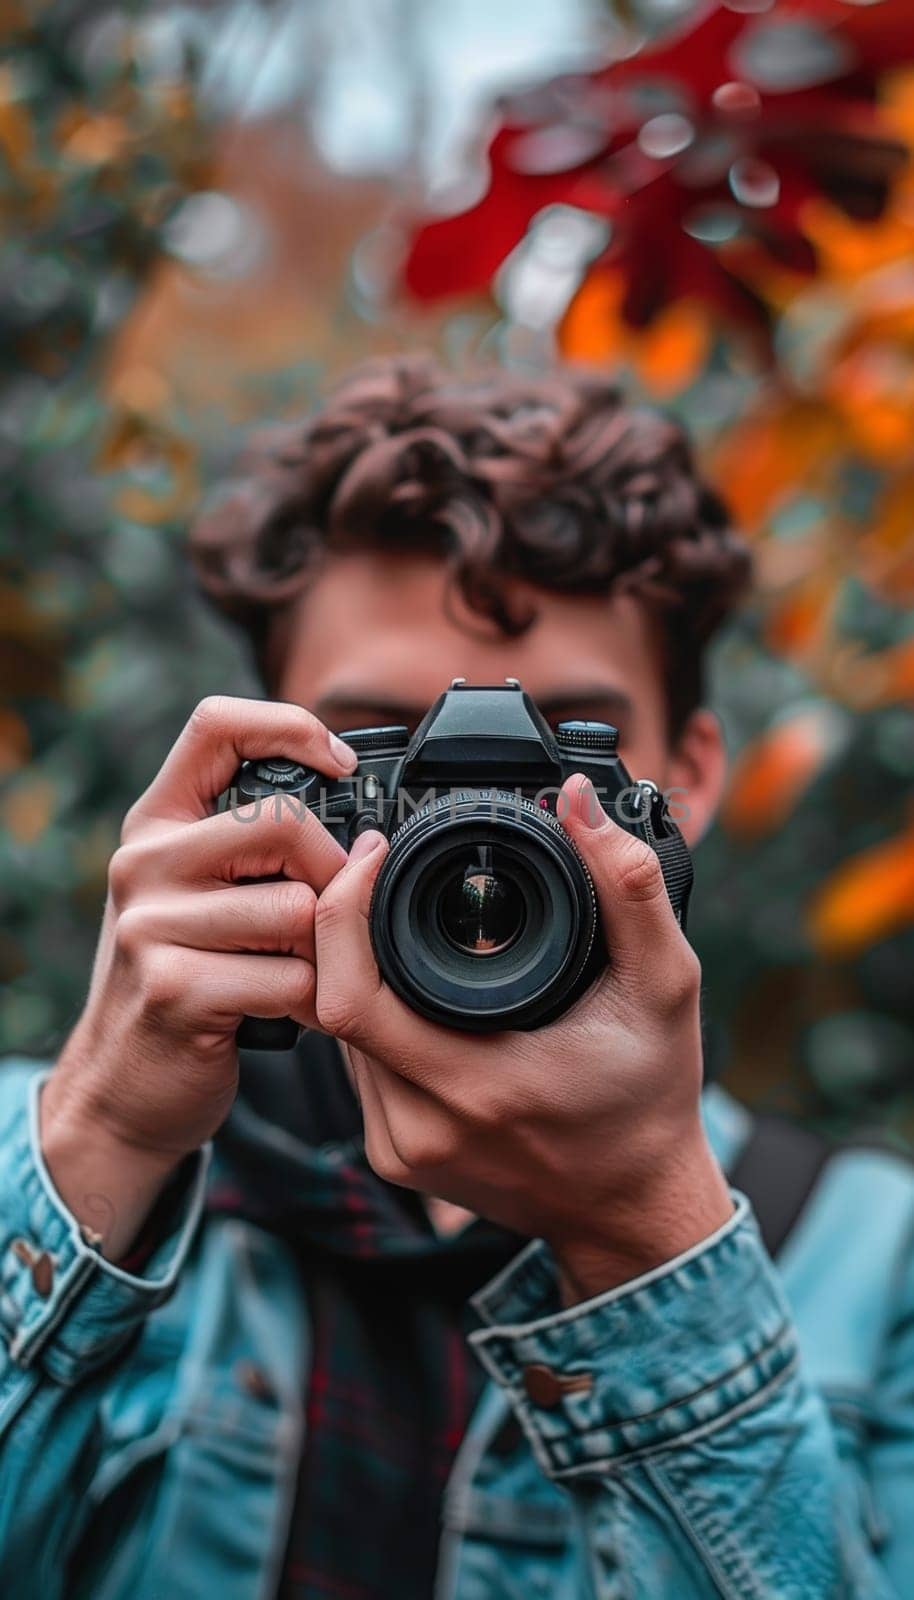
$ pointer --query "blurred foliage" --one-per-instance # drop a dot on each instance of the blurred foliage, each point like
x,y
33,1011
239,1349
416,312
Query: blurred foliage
x,y
727,217
752,170
101,646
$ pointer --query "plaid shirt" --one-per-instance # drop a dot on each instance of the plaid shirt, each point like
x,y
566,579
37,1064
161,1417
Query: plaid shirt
x,y
393,1381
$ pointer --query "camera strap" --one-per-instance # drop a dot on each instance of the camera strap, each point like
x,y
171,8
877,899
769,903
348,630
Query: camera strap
x,y
662,834
676,866
778,1169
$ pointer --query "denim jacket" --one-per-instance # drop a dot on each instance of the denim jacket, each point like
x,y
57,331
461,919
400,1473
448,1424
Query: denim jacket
x,y
713,1428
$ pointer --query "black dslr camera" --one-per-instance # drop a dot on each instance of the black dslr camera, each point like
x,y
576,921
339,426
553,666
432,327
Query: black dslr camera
x,y
484,916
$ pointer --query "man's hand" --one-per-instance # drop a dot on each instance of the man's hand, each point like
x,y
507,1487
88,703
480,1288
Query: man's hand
x,y
587,1132
150,1070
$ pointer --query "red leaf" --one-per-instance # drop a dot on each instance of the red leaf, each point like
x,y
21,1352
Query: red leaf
x,y
808,127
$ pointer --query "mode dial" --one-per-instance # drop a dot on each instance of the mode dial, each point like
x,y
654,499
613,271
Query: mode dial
x,y
599,737
281,774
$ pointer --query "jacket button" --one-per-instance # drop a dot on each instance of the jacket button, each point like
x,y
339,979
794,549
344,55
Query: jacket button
x,y
546,1387
542,1386
39,1262
254,1381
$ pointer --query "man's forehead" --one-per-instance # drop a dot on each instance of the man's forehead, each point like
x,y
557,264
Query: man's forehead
x,y
371,595
391,634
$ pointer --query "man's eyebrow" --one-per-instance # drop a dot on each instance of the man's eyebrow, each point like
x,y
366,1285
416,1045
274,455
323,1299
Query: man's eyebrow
x,y
385,711
592,697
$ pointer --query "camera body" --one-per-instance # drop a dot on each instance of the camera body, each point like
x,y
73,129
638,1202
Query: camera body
x,y
483,916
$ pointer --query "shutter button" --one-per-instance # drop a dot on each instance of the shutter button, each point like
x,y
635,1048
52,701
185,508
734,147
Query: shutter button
x,y
547,1388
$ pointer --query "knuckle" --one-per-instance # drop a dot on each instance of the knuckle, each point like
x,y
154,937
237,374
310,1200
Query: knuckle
x,y
336,1011
639,875
329,913
123,873
497,1109
311,725
293,901
287,812
422,1149
133,933
300,828
282,821
131,823
682,979
299,986
209,715
275,823
162,979
482,1109
382,1160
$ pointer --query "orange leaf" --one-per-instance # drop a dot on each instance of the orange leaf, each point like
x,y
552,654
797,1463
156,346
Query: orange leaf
x,y
668,354
797,625
175,498
873,387
15,127
888,675
849,249
769,459
772,773
134,441
14,742
894,529
591,329
672,351
866,899
28,809
96,141
886,552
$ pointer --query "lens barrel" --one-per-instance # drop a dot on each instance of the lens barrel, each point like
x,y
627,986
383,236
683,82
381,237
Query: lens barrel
x,y
484,916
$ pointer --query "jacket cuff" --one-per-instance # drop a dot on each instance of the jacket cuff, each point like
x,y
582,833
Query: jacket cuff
x,y
650,1364
60,1300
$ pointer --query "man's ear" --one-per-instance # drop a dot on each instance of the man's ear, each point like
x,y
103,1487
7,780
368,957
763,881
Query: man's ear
x,y
697,771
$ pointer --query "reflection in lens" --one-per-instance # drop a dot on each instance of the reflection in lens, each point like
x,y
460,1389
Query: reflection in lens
x,y
481,912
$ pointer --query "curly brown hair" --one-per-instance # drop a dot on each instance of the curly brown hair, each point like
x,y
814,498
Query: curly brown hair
x,y
553,479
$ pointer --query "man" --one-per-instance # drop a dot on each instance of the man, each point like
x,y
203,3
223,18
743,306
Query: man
x,y
518,1338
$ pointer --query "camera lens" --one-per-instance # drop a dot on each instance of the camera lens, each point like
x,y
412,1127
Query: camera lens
x,y
483,915
482,911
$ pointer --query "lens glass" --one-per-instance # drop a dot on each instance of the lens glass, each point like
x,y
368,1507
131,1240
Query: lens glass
x,y
481,909
483,915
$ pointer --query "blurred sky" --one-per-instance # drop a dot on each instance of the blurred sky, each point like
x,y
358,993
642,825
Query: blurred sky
x,y
383,79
